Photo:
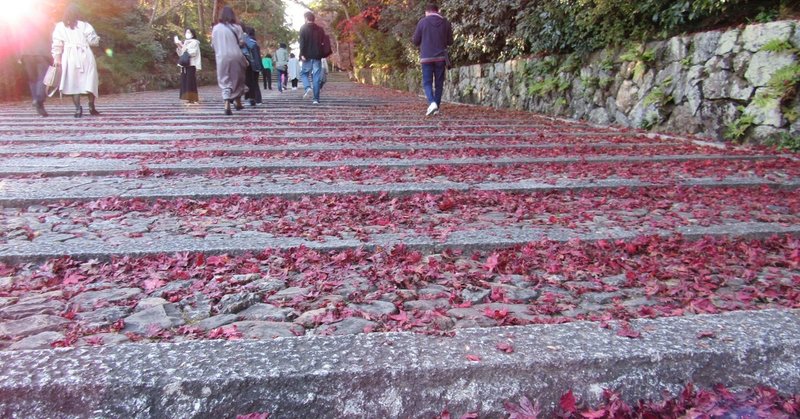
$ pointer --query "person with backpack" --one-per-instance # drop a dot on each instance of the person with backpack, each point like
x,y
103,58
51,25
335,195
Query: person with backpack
x,y
227,38
314,46
432,36
252,51
281,65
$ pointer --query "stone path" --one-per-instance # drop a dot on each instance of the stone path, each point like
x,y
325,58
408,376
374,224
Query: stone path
x,y
160,223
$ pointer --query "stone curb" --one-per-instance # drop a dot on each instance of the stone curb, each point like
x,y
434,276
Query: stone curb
x,y
100,167
404,374
39,192
485,239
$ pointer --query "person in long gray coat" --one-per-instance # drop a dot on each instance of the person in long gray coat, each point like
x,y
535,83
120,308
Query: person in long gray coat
x,y
227,39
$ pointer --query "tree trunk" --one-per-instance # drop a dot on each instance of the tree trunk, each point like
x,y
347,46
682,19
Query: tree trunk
x,y
215,12
201,20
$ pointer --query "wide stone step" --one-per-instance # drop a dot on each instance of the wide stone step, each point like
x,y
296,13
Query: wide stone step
x,y
24,192
233,148
404,374
255,241
76,166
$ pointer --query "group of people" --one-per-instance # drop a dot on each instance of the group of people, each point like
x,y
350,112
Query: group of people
x,y
239,62
238,58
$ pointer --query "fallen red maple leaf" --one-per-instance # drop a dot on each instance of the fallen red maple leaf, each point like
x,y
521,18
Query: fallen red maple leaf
x,y
567,402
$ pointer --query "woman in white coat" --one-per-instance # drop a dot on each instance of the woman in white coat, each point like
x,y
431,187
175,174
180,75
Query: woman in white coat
x,y
189,73
72,42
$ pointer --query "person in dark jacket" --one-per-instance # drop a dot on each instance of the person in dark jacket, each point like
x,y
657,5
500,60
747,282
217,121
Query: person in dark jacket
x,y
33,52
254,69
311,56
433,35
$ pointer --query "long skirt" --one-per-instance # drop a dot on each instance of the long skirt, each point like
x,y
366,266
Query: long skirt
x,y
189,84
231,75
253,90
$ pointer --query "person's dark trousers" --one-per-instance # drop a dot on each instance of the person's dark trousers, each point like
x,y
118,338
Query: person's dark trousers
x,y
267,78
36,68
433,80
254,92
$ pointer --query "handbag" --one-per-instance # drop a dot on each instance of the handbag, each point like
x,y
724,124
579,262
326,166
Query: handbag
x,y
185,60
52,80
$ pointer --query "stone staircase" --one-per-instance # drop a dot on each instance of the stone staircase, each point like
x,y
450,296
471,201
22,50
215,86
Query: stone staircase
x,y
357,259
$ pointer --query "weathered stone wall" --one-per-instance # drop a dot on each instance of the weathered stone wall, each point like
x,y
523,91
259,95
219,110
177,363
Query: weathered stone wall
x,y
715,84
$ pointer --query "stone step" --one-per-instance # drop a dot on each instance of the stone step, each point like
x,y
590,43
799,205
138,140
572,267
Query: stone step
x,y
25,192
76,166
233,148
405,374
254,241
284,136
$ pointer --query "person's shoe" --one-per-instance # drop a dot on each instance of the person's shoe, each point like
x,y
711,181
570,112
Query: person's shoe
x,y
252,103
239,105
228,110
79,112
432,109
40,110
316,102
93,111
294,88
306,94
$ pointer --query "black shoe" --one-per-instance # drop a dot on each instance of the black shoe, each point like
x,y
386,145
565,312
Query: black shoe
x,y
252,103
93,111
239,106
228,111
79,112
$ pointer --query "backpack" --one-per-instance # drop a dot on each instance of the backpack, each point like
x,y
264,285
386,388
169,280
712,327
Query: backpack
x,y
325,47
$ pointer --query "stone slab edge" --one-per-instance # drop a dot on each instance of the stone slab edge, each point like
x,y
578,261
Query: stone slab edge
x,y
403,374
37,195
72,167
476,240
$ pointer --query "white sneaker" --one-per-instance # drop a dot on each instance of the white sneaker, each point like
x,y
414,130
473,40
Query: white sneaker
x,y
294,88
305,95
316,102
432,109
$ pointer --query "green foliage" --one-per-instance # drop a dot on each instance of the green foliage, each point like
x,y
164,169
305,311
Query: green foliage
x,y
737,129
658,95
788,142
783,83
766,15
778,45
792,114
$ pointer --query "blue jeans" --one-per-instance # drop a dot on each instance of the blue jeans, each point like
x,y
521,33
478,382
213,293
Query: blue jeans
x,y
36,67
313,67
433,80
281,75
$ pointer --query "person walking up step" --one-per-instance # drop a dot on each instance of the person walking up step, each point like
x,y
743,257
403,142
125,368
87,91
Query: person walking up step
x,y
71,49
281,65
266,62
227,39
432,36
254,70
312,38
291,74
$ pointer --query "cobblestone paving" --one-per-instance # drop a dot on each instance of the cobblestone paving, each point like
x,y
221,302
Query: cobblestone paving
x,y
159,221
